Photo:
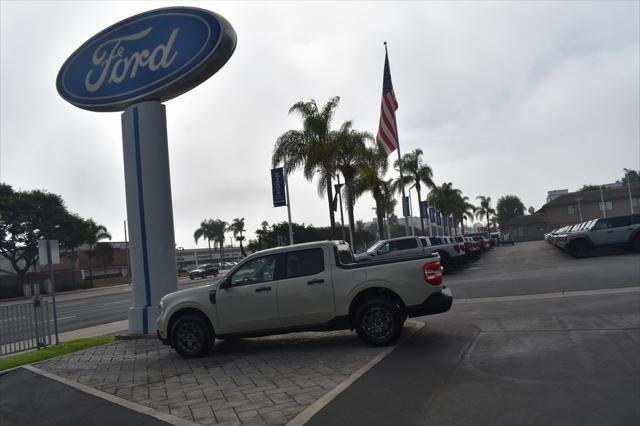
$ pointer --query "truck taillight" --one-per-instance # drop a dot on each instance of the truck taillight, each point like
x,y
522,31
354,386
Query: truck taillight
x,y
433,273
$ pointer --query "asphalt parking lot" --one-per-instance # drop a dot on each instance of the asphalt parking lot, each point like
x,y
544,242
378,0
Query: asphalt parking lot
x,y
534,337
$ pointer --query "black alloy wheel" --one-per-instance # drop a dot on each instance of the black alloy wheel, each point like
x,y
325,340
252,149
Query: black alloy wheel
x,y
378,322
192,336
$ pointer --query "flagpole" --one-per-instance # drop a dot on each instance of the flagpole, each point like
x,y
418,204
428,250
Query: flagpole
x,y
406,218
286,187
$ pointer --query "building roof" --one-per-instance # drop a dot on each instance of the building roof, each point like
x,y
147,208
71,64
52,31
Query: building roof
x,y
527,220
593,196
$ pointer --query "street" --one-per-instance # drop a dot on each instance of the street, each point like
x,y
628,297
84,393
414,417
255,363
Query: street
x,y
82,309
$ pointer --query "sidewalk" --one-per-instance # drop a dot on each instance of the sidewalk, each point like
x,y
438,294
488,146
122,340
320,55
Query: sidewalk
x,y
262,381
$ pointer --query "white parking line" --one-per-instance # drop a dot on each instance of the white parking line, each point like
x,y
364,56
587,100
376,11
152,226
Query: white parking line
x,y
555,295
168,418
313,409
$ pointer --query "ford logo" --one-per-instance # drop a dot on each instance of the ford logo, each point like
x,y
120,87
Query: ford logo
x,y
156,55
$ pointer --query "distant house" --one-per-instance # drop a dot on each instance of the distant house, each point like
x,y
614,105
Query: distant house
x,y
574,207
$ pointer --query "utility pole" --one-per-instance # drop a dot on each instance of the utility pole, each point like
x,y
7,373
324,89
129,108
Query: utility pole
x,y
604,208
286,187
579,209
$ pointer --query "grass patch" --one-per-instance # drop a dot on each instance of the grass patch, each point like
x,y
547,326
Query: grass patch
x,y
53,351
110,281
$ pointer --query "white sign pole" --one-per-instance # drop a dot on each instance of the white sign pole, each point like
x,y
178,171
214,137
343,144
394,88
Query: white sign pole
x,y
149,212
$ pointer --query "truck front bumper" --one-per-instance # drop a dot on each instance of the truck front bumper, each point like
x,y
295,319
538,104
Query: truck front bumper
x,y
436,303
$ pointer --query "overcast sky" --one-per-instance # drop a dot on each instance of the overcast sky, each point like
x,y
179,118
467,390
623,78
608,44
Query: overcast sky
x,y
503,98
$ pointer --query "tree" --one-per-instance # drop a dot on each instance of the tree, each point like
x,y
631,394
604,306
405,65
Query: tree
x,y
589,187
349,152
485,210
415,172
94,234
446,199
371,171
463,209
207,231
72,233
219,228
508,207
311,148
26,217
531,210
631,175
237,227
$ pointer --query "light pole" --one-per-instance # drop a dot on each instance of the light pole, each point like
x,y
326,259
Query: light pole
x,y
604,213
579,209
626,172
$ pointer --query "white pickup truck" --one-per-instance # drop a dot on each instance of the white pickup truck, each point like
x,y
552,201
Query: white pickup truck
x,y
304,287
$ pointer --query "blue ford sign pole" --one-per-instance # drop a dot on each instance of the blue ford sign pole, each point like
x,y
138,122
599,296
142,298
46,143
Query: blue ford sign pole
x,y
135,65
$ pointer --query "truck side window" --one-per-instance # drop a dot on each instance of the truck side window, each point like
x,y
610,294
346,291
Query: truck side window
x,y
603,224
617,222
304,262
255,271
404,244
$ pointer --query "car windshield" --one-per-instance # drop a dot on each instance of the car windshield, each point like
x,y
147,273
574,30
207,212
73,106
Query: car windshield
x,y
375,247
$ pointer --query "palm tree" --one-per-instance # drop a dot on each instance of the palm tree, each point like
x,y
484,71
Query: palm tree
x,y
445,198
349,151
311,148
219,228
485,210
237,227
414,171
389,203
370,177
95,233
206,231
466,210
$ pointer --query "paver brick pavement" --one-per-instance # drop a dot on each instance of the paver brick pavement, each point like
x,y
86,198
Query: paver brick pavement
x,y
262,381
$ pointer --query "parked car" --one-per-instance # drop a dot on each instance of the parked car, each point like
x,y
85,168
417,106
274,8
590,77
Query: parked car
x,y
452,254
204,271
304,287
392,248
506,239
611,231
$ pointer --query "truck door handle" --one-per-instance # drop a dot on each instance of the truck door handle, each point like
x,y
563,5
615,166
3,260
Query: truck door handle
x,y
609,232
316,281
260,289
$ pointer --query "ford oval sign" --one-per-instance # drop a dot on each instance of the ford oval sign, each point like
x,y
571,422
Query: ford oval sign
x,y
156,55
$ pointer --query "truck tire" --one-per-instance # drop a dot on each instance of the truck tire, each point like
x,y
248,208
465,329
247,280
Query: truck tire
x,y
192,336
579,249
378,322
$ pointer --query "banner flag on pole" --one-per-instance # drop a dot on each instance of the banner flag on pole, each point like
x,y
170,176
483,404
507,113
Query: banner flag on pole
x,y
424,209
277,187
438,218
405,206
432,214
387,130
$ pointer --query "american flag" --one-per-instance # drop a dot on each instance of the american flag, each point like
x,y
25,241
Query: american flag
x,y
387,132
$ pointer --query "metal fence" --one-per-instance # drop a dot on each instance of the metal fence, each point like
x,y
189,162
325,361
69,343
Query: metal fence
x,y
25,326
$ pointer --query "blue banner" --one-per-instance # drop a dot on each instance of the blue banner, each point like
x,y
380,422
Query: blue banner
x,y
438,218
424,209
277,187
432,214
405,207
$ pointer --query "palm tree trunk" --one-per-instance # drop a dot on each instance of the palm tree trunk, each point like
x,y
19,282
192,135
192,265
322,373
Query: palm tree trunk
x,y
210,255
242,250
420,210
352,226
380,216
332,218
